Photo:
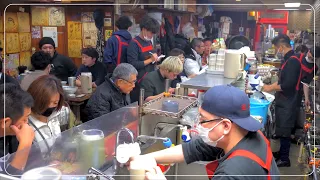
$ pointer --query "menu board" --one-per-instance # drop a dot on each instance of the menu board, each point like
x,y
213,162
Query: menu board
x,y
74,30
12,43
74,48
25,41
90,32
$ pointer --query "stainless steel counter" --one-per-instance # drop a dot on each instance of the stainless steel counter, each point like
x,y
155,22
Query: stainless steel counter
x,y
205,81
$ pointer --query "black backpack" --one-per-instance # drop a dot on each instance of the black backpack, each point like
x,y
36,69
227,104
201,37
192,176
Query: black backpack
x,y
181,42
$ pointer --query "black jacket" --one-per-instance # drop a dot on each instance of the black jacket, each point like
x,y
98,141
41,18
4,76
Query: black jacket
x,y
9,79
63,67
105,99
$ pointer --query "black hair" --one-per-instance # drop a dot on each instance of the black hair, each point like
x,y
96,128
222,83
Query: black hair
x,y
40,60
123,23
21,69
281,39
91,52
1,65
207,39
150,24
176,52
302,49
195,42
1,49
15,100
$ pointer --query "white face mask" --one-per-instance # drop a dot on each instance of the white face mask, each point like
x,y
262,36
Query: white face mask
x,y
204,134
279,55
146,38
309,60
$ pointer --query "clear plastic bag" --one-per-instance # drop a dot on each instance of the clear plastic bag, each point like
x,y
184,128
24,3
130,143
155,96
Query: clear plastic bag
x,y
190,117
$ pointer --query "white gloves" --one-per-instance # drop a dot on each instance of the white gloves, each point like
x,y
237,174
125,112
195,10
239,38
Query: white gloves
x,y
259,87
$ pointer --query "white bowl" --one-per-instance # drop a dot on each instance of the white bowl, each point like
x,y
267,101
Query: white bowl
x,y
70,90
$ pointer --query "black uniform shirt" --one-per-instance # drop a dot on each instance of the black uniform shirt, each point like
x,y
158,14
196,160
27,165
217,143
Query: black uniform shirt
x,y
198,150
153,84
289,75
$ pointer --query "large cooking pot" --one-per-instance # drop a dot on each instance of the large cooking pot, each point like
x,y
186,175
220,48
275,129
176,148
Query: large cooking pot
x,y
237,42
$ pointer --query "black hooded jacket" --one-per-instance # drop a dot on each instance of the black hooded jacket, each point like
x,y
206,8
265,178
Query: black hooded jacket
x,y
105,99
63,67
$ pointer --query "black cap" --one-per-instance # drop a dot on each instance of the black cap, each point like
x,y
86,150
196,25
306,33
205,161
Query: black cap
x,y
46,40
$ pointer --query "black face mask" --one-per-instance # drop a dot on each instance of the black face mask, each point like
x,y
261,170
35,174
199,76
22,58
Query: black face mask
x,y
48,112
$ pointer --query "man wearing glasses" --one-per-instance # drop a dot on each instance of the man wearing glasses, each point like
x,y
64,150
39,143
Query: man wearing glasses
x,y
228,136
114,92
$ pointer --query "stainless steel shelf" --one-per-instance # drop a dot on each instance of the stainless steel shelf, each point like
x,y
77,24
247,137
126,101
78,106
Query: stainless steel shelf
x,y
155,106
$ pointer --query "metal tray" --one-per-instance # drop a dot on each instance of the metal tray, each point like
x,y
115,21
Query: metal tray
x,y
155,106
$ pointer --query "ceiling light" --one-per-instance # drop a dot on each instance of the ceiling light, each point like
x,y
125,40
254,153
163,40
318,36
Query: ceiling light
x,y
238,0
286,9
292,4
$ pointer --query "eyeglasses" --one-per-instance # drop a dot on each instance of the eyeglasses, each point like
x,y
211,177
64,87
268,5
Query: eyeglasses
x,y
206,121
133,82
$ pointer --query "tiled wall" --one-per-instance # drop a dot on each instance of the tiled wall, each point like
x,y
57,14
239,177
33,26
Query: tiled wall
x,y
299,20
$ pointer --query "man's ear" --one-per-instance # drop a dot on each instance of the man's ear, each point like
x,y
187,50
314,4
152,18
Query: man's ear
x,y
6,123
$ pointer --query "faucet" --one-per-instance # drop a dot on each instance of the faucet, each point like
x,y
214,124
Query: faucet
x,y
115,162
166,141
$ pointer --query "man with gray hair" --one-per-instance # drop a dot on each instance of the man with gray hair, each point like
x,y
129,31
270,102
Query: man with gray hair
x,y
114,92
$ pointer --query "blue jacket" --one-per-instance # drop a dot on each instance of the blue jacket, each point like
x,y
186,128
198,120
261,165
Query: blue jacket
x,y
112,44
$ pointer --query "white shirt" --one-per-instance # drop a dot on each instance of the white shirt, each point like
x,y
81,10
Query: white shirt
x,y
50,130
192,66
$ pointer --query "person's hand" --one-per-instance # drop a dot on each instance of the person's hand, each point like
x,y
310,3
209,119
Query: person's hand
x,y
307,103
78,77
171,90
94,85
24,134
155,176
154,57
150,161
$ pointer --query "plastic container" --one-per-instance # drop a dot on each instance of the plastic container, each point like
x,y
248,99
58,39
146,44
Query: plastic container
x,y
220,61
220,67
259,107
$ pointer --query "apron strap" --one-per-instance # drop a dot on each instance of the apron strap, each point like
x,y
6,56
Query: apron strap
x,y
253,157
300,61
120,48
142,77
143,49
245,153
